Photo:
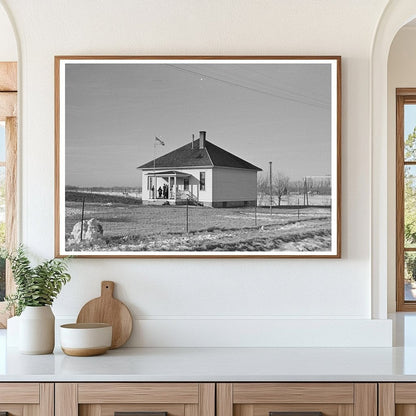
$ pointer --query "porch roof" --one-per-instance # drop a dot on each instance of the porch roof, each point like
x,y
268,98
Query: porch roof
x,y
171,173
190,155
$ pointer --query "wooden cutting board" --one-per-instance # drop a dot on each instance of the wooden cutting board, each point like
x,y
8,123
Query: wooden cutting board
x,y
108,310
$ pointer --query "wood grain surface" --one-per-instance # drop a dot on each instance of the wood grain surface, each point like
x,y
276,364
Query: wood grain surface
x,y
8,105
22,393
84,352
109,310
66,399
8,76
386,399
252,393
365,399
225,399
110,393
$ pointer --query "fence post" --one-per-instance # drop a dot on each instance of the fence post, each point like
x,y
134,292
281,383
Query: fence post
x,y
82,216
298,207
271,188
187,215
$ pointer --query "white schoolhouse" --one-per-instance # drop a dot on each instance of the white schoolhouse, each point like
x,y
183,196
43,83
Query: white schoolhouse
x,y
201,173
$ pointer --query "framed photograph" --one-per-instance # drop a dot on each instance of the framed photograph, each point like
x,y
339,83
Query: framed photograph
x,y
214,156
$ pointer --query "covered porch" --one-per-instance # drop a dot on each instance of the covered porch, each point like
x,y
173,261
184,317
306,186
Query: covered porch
x,y
167,186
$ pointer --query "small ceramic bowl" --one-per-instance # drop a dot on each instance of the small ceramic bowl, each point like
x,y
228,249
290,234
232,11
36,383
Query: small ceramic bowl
x,y
84,340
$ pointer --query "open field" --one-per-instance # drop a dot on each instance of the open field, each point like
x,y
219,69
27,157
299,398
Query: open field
x,y
293,199
131,226
134,195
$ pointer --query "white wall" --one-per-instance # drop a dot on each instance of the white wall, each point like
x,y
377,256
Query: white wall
x,y
195,302
203,195
8,46
234,184
401,73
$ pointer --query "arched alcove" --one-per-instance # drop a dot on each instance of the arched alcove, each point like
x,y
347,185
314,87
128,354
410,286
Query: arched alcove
x,y
396,15
401,73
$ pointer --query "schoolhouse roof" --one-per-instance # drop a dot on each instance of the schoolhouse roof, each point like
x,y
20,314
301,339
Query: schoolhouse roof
x,y
190,155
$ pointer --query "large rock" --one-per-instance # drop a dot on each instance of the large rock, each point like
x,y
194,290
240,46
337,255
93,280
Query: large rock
x,y
92,231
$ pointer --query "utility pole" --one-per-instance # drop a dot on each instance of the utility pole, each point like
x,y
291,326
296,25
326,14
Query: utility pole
x,y
271,188
304,191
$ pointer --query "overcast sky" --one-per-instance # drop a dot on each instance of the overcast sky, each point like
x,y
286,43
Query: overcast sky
x,y
260,112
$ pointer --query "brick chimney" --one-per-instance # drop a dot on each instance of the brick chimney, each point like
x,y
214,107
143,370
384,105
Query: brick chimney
x,y
202,135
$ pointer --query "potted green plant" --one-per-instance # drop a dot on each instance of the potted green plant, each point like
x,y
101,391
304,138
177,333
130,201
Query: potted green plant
x,y
36,289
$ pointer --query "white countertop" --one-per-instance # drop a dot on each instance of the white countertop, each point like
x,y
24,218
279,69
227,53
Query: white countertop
x,y
221,364
215,364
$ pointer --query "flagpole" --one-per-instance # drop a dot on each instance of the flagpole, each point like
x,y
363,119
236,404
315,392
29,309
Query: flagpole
x,y
156,142
154,170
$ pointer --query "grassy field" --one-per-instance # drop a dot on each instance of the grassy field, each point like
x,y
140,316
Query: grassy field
x,y
134,227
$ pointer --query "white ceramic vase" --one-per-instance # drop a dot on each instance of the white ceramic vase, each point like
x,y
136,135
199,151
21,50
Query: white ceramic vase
x,y
37,330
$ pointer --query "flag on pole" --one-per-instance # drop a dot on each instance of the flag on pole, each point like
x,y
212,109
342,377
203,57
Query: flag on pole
x,y
158,141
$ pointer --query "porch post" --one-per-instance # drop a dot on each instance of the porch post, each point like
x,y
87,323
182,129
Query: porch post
x,y
155,194
169,195
174,187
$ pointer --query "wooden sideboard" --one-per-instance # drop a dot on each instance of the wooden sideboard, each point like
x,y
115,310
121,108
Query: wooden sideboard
x,y
208,399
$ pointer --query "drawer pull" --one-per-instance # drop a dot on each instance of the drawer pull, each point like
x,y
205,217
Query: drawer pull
x,y
295,413
140,414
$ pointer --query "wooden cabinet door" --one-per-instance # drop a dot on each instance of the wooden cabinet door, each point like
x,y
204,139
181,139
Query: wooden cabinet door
x,y
26,399
397,399
297,399
143,399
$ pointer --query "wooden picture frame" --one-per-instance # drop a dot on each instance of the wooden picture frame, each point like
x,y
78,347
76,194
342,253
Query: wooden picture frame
x,y
198,156
405,301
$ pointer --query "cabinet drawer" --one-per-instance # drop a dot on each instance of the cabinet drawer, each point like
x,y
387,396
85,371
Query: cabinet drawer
x,y
397,399
146,399
21,399
19,393
293,399
138,393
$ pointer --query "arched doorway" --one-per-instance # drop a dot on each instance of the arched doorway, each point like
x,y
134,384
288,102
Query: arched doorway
x,y
396,15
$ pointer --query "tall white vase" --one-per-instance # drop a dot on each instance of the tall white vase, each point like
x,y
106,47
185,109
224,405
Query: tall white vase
x,y
37,330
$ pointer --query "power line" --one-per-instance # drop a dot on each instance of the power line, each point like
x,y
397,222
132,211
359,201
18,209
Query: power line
x,y
299,94
235,84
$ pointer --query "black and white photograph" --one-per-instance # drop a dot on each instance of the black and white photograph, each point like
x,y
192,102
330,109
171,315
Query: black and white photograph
x,y
198,157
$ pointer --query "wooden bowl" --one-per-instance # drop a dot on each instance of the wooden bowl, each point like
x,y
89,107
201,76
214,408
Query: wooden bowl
x,y
84,340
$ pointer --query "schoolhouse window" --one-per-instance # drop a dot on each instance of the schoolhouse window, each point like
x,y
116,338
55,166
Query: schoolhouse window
x,y
202,181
